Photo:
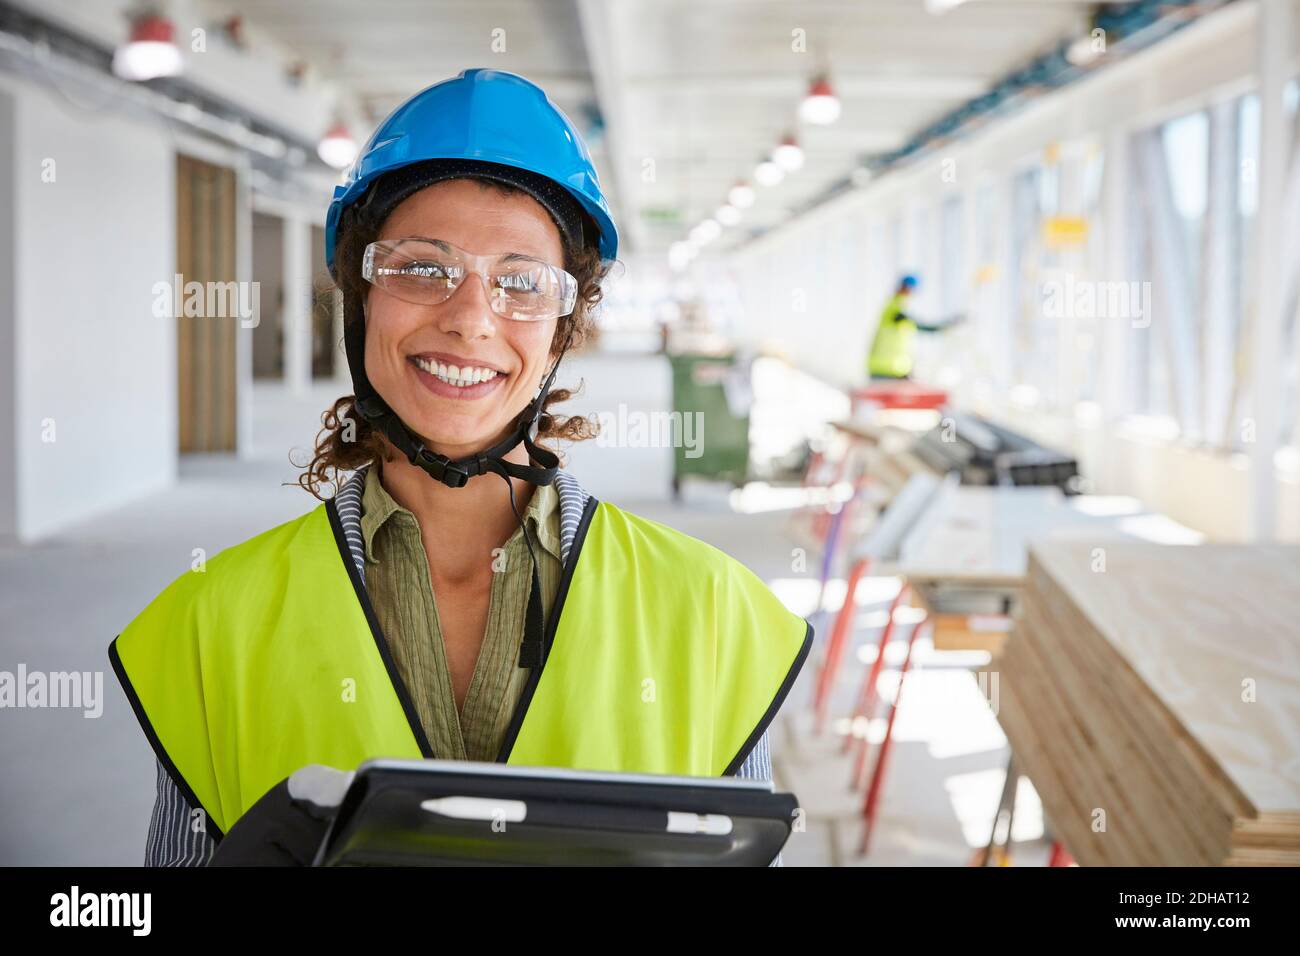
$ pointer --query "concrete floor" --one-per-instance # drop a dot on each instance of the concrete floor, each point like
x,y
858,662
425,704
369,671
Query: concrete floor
x,y
79,790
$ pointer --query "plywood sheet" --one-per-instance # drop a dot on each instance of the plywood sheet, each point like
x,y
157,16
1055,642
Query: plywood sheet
x,y
1121,690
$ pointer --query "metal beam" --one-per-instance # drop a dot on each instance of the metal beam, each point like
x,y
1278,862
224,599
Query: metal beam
x,y
793,87
1117,335
1275,31
1291,282
603,40
1220,285
1175,305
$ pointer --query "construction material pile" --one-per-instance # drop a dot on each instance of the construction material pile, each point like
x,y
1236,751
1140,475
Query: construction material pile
x,y
1152,695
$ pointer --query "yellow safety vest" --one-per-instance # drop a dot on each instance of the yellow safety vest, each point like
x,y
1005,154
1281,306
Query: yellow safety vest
x,y
891,349
664,655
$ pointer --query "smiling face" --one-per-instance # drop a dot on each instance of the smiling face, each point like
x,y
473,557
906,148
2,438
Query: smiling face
x,y
410,348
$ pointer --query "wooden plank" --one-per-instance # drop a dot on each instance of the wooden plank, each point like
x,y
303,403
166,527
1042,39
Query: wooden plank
x,y
1120,688
1195,624
1142,788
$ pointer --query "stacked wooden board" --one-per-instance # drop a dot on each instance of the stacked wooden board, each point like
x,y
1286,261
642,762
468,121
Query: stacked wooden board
x,y
1152,695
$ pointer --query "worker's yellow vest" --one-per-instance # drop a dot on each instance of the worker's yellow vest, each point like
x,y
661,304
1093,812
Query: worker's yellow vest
x,y
891,349
664,655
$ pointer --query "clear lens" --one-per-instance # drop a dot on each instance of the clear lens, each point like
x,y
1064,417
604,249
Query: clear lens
x,y
428,273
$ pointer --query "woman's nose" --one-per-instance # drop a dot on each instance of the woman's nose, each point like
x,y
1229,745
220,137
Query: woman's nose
x,y
468,313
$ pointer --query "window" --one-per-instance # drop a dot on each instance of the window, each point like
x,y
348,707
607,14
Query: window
x,y
988,314
1089,331
1172,179
952,259
1291,295
1022,271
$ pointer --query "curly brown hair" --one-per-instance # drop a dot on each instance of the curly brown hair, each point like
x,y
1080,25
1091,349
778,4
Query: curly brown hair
x,y
347,441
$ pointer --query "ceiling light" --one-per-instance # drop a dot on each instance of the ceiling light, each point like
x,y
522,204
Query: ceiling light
x,y
821,106
150,52
741,195
768,173
337,148
1086,49
706,231
788,155
728,215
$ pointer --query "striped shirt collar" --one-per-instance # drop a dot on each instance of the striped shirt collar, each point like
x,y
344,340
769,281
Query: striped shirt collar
x,y
378,507
574,500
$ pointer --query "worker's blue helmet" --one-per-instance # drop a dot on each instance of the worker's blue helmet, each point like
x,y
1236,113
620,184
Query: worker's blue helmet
x,y
907,282
482,116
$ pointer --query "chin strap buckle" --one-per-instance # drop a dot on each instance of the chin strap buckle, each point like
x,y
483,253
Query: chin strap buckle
x,y
440,467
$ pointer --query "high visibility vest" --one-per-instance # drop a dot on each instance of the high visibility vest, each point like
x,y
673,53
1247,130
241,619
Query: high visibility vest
x,y
664,655
891,349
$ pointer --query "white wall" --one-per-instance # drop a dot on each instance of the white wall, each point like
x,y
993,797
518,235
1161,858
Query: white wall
x,y
89,356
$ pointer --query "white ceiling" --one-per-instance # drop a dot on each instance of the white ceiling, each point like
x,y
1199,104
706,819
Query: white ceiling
x,y
702,88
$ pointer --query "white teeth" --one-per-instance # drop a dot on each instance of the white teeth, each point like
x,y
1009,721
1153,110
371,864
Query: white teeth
x,y
454,375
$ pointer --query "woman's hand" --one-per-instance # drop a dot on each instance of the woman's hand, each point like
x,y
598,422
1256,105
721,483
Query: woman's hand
x,y
286,826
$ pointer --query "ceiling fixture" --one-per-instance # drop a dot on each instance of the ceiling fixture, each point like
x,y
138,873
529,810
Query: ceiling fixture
x,y
680,255
1087,48
741,195
821,106
938,7
727,214
337,148
706,232
788,154
768,173
150,51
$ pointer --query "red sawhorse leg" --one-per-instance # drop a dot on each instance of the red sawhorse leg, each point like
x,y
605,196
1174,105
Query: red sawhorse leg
x,y
841,633
866,703
1059,856
871,804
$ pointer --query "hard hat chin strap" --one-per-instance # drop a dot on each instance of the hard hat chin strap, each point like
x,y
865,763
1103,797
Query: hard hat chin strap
x,y
456,473
541,470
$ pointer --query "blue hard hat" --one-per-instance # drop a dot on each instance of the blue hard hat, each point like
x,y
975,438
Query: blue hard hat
x,y
485,115
908,281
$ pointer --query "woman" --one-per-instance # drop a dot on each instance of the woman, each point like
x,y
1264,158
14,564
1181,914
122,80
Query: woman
x,y
461,596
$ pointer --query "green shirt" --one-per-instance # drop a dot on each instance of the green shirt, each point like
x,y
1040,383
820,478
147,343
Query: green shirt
x,y
397,577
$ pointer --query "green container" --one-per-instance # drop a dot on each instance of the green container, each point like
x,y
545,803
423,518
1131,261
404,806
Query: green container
x,y
719,439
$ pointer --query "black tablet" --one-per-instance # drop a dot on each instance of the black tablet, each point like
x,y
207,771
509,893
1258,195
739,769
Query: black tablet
x,y
457,813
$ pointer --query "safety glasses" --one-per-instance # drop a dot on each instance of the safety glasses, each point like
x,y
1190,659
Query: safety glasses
x,y
429,271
